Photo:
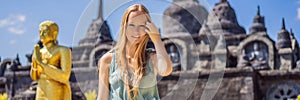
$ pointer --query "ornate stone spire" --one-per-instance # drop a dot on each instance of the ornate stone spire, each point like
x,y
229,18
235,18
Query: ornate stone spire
x,y
292,34
223,0
284,39
294,41
98,31
258,11
17,57
183,16
258,23
100,16
283,24
223,20
258,18
17,60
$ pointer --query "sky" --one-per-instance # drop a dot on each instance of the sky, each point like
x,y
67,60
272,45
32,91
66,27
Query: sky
x,y
19,20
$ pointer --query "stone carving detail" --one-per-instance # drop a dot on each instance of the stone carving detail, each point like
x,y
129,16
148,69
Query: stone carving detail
x,y
283,91
256,55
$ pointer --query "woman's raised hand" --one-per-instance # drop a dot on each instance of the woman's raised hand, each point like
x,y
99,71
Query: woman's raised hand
x,y
152,31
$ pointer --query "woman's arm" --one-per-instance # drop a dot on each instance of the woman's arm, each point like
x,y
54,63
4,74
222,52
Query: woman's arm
x,y
161,59
103,67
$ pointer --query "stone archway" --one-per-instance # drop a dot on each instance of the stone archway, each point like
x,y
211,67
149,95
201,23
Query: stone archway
x,y
182,49
96,52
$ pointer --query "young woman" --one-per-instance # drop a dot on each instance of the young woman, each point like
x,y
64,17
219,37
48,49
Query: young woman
x,y
128,72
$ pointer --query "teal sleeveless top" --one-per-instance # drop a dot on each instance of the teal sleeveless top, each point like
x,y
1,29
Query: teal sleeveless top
x,y
147,88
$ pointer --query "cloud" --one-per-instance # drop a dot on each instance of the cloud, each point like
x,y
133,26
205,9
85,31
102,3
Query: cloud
x,y
298,13
16,30
21,18
12,42
12,20
14,24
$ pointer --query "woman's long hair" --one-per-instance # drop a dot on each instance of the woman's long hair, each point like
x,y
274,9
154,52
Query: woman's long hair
x,y
139,46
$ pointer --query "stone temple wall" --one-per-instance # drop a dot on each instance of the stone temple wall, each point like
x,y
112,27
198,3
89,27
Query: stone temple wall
x,y
232,84
237,84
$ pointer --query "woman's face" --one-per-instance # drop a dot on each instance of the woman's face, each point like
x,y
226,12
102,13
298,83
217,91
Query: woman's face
x,y
136,26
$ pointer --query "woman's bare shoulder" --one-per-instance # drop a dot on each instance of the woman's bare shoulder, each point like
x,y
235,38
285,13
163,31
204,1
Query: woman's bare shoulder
x,y
105,59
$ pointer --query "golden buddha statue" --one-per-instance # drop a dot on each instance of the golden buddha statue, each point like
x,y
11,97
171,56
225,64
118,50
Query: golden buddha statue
x,y
51,65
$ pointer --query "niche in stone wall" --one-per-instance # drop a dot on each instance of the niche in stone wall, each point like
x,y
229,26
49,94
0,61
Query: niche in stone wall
x,y
174,54
256,51
255,54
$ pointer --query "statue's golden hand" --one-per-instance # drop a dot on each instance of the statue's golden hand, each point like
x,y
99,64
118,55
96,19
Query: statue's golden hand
x,y
35,70
37,55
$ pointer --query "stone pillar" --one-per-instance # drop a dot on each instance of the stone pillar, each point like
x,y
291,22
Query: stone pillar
x,y
220,54
285,58
220,57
